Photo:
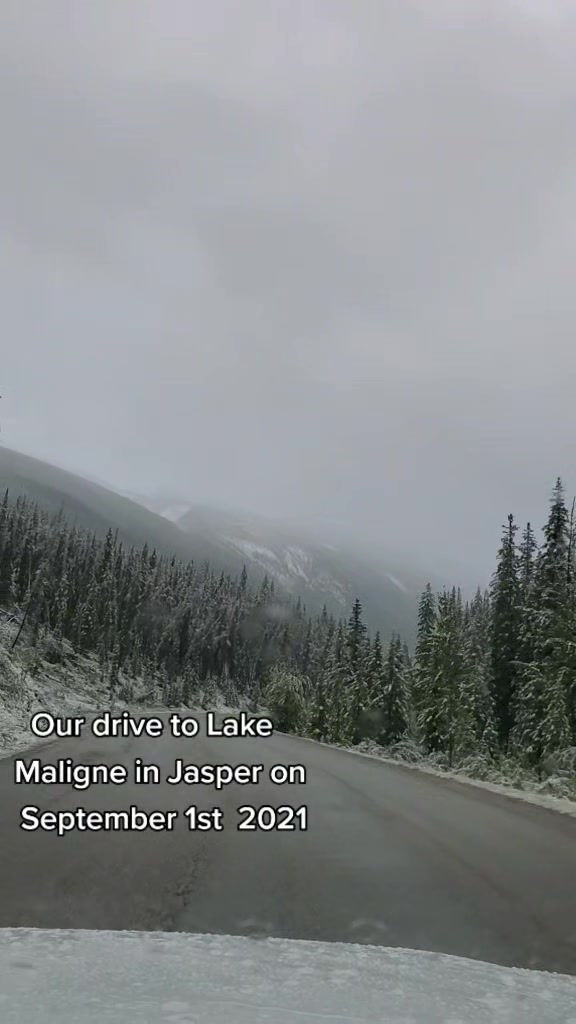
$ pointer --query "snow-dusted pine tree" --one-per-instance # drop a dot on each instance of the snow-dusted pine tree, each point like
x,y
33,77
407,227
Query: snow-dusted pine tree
x,y
505,643
396,710
421,672
546,659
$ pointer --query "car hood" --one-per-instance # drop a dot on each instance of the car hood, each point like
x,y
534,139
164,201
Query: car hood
x,y
99,977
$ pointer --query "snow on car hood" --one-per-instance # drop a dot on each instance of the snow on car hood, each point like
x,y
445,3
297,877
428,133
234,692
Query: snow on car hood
x,y
89,977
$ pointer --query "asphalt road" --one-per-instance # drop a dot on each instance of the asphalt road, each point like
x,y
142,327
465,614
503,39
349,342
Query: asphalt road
x,y
391,856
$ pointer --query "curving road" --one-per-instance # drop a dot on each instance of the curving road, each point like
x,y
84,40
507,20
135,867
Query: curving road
x,y
391,856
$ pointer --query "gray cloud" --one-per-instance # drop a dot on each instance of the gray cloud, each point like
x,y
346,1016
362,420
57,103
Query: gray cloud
x,y
313,259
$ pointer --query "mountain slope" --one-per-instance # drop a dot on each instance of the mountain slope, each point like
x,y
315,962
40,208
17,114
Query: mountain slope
x,y
88,504
320,573
300,564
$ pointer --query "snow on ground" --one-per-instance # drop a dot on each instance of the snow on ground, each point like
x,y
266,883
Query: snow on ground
x,y
30,682
397,583
521,788
53,677
298,562
255,551
83,977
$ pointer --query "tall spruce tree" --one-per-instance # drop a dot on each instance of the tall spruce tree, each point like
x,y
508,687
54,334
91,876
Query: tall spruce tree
x,y
338,677
356,679
421,674
374,669
438,718
356,637
547,669
395,709
527,562
505,645
477,727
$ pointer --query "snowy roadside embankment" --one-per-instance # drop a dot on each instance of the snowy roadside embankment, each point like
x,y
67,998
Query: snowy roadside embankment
x,y
51,676
557,791
31,681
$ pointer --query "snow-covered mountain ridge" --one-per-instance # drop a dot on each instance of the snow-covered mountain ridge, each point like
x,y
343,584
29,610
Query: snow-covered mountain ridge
x,y
312,564
299,562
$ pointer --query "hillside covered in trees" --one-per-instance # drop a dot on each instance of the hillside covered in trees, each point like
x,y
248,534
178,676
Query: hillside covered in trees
x,y
491,678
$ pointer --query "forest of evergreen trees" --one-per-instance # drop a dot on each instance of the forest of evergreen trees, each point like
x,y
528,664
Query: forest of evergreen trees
x,y
494,676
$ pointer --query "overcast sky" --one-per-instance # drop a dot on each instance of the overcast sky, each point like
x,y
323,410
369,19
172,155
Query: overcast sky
x,y
315,258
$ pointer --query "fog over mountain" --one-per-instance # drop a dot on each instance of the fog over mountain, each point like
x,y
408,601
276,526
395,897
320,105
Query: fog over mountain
x,y
302,564
313,261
